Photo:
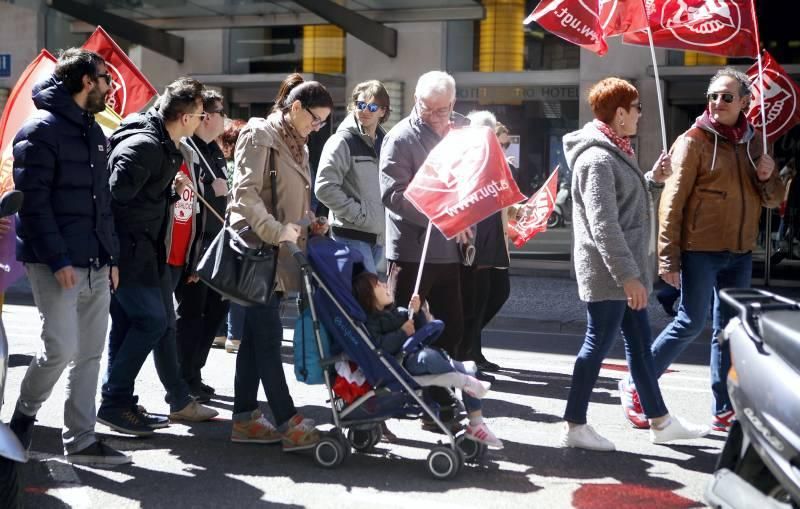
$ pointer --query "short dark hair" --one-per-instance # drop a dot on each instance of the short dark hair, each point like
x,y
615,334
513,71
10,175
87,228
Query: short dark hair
x,y
730,72
364,290
75,63
311,94
376,90
210,98
180,97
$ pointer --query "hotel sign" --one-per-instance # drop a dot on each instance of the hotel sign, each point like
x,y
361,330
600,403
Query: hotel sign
x,y
515,95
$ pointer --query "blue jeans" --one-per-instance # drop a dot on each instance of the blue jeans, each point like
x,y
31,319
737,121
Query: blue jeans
x,y
236,321
605,320
259,359
432,361
373,253
143,320
703,275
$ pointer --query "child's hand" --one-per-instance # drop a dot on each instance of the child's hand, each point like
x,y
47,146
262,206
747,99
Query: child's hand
x,y
408,328
414,303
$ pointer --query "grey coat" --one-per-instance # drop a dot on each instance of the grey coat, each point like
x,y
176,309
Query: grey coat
x,y
404,150
347,179
613,216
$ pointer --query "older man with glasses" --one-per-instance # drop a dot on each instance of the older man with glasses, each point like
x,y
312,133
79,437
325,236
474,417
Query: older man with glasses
x,y
709,215
404,150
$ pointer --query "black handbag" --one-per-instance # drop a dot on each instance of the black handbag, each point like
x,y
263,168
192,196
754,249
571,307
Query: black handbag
x,y
240,273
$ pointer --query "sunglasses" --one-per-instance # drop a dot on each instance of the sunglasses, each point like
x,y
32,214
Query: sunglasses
x,y
220,111
106,76
726,96
202,115
316,122
638,106
372,107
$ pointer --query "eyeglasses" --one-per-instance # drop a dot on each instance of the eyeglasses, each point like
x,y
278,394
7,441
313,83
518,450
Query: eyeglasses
x,y
714,96
441,112
316,122
220,111
638,106
202,115
106,76
372,107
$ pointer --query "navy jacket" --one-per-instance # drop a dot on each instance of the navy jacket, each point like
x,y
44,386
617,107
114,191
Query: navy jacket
x,y
60,166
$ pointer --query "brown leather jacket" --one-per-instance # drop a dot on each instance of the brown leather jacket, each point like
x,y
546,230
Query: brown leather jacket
x,y
713,200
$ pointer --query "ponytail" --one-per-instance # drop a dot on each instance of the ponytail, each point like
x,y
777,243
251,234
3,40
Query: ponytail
x,y
311,94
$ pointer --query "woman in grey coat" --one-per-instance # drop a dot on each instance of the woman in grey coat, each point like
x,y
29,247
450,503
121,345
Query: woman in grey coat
x,y
614,227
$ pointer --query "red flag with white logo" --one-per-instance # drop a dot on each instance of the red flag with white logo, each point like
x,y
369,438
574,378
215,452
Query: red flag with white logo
x,y
18,108
577,21
464,180
539,208
718,27
130,90
618,17
781,95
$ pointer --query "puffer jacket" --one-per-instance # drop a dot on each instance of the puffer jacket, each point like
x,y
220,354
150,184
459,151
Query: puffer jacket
x,y
713,200
347,181
251,194
60,165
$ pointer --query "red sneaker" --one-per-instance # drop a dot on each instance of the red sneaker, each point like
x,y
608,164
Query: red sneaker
x,y
723,421
631,406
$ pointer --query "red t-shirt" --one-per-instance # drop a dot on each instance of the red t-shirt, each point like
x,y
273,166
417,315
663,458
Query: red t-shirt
x,y
181,225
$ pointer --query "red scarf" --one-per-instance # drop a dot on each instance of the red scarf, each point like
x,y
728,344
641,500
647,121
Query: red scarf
x,y
734,133
624,143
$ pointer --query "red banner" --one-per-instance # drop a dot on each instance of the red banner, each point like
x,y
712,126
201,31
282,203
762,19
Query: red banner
x,y
130,89
464,180
18,108
781,95
621,16
577,21
539,207
719,27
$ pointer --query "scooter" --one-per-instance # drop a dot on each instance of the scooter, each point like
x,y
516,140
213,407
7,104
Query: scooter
x,y
11,451
562,211
760,463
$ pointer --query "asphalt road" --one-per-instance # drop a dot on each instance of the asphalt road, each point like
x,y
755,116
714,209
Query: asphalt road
x,y
197,465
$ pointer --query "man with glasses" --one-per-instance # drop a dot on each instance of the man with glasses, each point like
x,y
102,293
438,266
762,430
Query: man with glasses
x,y
143,163
709,216
347,175
404,150
68,244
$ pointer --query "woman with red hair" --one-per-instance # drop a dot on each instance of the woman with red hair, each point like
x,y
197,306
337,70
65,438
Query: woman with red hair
x,y
615,236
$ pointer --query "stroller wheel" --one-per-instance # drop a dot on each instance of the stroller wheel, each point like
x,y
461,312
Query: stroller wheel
x,y
329,452
362,440
444,463
472,450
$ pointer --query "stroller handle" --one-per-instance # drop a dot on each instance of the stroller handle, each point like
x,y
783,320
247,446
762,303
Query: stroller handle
x,y
296,253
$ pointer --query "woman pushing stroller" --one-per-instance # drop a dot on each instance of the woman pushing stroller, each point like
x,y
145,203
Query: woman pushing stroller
x,y
391,329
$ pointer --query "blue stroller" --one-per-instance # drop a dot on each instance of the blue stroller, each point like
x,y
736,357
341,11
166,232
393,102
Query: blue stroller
x,y
327,286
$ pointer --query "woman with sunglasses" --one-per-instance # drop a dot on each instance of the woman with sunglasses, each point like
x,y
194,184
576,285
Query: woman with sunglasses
x,y
614,227
274,144
709,217
347,175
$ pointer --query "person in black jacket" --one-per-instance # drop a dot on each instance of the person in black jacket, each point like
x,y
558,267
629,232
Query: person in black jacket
x,y
144,161
67,241
200,309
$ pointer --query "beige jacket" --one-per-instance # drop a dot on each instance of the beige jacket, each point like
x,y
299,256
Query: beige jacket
x,y
251,197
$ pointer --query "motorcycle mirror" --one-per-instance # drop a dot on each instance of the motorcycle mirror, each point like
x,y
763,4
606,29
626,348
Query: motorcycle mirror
x,y
10,203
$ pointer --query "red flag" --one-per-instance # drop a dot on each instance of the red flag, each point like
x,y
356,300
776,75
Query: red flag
x,y
719,27
464,180
577,21
781,95
621,16
18,108
130,89
541,205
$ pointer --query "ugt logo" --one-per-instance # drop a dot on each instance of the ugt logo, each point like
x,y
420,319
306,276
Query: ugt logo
x,y
117,96
707,23
780,102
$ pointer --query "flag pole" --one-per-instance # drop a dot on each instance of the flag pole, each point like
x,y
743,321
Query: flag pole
x,y
658,89
421,266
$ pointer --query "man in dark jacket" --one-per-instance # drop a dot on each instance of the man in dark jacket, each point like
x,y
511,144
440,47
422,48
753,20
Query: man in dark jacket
x,y
200,309
66,240
144,161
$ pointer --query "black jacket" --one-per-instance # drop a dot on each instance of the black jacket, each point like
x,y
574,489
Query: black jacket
x,y
143,162
384,328
217,169
60,165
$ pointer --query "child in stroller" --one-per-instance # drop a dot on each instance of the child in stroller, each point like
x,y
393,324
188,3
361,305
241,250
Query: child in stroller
x,y
391,329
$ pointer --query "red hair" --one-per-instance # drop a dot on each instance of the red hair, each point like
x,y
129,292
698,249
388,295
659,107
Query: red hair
x,y
607,95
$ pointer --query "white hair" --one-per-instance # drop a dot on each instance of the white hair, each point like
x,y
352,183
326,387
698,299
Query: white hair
x,y
482,118
435,83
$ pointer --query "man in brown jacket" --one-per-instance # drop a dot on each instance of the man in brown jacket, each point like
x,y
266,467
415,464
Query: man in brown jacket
x,y
709,216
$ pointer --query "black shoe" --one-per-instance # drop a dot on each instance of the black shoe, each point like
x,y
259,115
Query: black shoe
x,y
484,377
207,389
484,365
668,306
98,454
200,396
22,426
124,420
155,421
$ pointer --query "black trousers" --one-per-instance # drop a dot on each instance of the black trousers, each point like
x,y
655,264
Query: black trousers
x,y
200,312
484,291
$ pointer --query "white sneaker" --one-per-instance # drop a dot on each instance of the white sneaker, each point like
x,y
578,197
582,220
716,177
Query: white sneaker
x,y
585,437
678,429
470,367
474,387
